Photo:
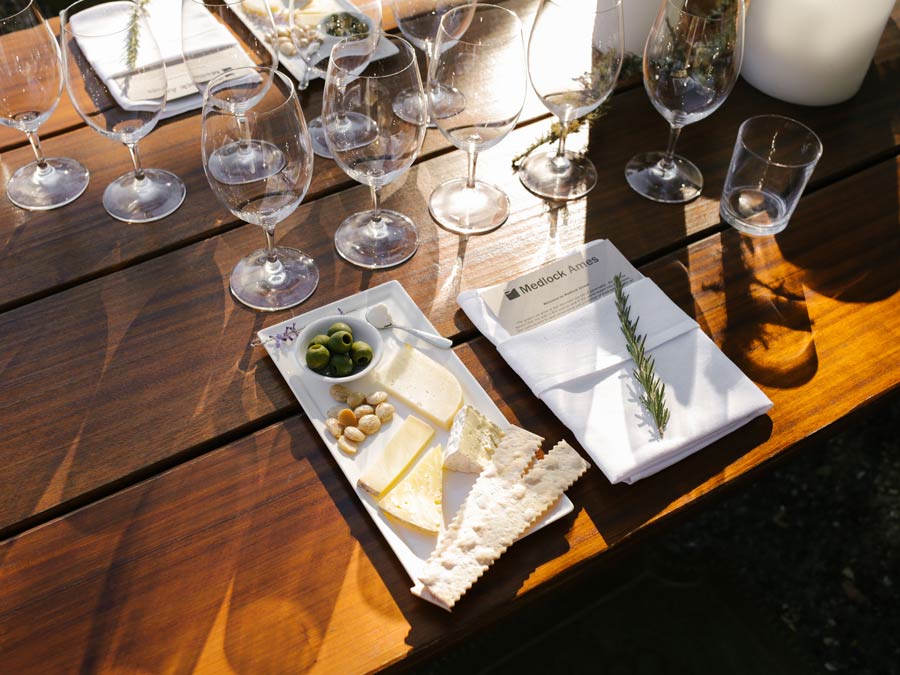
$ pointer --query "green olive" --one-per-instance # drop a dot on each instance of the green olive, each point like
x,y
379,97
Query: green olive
x,y
317,356
341,365
319,339
339,343
339,326
361,353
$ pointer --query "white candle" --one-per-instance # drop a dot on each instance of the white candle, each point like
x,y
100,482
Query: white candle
x,y
812,52
638,17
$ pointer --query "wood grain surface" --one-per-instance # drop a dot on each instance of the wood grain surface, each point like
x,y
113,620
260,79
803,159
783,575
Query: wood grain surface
x,y
165,506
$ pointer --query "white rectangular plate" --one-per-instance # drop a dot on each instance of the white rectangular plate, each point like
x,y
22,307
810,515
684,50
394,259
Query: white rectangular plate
x,y
411,547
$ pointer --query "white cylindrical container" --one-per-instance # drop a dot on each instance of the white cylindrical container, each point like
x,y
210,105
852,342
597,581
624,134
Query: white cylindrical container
x,y
639,16
812,52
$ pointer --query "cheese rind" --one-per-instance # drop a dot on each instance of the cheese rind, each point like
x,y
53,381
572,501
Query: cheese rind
x,y
416,499
384,469
473,438
423,384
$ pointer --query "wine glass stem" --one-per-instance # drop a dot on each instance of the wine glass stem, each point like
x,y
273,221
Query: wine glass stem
x,y
559,160
271,256
470,176
135,160
375,221
36,147
667,162
244,131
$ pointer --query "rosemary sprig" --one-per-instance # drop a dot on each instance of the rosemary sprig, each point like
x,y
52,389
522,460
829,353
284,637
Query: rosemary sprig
x,y
133,38
631,66
654,397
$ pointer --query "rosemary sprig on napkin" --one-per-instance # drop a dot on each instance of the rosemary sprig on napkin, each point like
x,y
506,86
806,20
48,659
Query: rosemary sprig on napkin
x,y
132,39
654,397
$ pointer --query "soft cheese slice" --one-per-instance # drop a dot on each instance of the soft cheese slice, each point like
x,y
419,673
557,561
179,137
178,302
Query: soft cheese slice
x,y
416,499
473,438
384,469
423,384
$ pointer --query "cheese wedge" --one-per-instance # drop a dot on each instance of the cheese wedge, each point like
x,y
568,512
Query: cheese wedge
x,y
385,469
416,499
473,438
423,384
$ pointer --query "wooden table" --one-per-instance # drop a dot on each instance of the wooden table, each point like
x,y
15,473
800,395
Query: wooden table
x,y
165,506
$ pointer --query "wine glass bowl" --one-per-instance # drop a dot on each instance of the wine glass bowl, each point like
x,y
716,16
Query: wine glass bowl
x,y
31,72
116,79
359,86
572,77
276,277
691,62
479,52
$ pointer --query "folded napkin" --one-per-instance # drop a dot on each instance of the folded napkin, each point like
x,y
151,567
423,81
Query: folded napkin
x,y
208,39
579,366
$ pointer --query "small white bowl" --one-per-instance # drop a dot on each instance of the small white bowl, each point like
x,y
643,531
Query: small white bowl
x,y
362,330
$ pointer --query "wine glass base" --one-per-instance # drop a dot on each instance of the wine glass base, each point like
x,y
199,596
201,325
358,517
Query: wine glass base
x,y
444,102
269,287
549,176
390,241
468,210
677,184
353,130
158,194
59,182
244,162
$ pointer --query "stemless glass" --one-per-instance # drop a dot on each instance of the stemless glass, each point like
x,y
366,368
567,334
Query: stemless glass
x,y
275,277
31,72
480,52
691,62
356,84
216,38
315,29
572,76
418,21
116,79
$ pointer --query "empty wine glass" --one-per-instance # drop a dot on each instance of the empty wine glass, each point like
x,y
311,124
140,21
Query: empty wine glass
x,y
31,72
691,61
222,35
572,76
116,79
418,21
480,52
315,29
275,277
357,84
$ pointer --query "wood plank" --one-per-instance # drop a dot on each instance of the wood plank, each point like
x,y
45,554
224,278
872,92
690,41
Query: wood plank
x,y
257,555
44,252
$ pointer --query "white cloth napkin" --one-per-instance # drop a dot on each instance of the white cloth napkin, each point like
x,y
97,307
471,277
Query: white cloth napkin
x,y
106,53
579,366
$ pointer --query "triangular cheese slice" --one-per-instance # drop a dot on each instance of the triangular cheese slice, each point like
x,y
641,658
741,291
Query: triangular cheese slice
x,y
416,499
385,468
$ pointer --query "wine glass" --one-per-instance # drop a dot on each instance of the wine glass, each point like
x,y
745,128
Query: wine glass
x,y
31,72
480,52
275,277
691,61
572,76
116,79
223,35
357,84
315,29
418,21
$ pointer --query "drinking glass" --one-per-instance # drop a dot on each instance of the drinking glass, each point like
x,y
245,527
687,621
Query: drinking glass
x,y
315,29
572,77
32,77
275,277
116,79
480,52
691,62
773,158
216,37
356,84
418,21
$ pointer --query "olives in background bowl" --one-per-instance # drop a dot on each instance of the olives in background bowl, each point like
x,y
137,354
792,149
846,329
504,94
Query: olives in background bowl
x,y
339,348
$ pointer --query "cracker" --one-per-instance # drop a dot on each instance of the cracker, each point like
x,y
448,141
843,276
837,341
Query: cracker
x,y
495,520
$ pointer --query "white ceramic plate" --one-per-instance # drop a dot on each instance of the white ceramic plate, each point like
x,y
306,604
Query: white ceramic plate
x,y
411,547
